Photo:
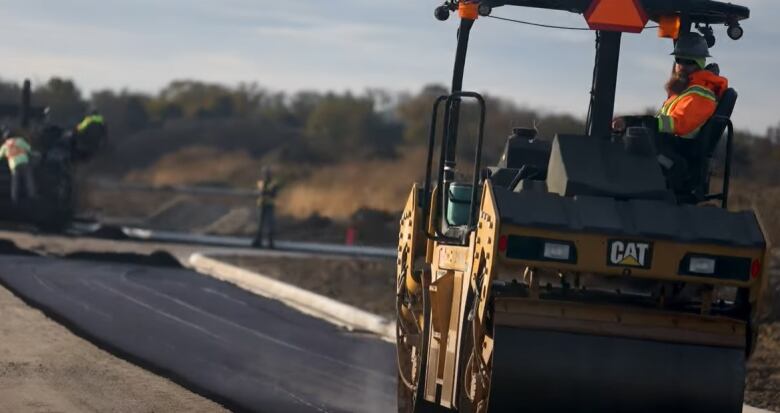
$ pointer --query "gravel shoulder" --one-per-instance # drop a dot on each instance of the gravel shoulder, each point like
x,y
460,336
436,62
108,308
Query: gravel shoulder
x,y
763,380
46,368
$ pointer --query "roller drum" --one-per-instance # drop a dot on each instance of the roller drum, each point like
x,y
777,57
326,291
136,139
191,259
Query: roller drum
x,y
546,371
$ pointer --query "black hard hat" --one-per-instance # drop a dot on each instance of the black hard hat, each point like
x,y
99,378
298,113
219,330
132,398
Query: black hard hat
x,y
691,45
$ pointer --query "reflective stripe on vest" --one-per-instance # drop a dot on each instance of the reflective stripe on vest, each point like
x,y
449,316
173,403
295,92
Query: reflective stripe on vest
x,y
89,120
665,124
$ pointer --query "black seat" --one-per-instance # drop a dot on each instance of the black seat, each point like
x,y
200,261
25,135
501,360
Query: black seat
x,y
688,162
712,132
707,141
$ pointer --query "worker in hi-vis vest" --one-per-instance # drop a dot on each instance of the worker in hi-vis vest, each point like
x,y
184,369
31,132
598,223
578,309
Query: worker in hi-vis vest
x,y
18,151
266,203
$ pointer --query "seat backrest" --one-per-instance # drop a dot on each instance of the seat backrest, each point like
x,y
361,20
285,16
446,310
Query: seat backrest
x,y
700,151
713,130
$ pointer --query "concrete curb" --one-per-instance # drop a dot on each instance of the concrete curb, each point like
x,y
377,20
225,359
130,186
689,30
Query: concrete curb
x,y
305,301
748,409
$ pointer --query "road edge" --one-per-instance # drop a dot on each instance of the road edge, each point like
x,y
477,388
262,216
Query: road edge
x,y
313,304
750,409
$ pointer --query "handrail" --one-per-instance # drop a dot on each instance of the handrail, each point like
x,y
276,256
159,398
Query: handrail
x,y
427,190
437,203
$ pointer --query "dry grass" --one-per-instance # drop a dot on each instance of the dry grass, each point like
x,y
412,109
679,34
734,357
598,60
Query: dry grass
x,y
334,191
340,190
765,200
200,164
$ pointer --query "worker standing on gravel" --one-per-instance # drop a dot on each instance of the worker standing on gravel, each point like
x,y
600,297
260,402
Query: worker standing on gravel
x,y
266,203
18,151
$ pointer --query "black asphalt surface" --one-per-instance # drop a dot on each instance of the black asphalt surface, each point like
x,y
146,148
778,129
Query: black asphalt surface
x,y
239,349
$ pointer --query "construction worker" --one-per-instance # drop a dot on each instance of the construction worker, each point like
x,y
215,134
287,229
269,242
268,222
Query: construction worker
x,y
18,151
269,188
693,91
89,135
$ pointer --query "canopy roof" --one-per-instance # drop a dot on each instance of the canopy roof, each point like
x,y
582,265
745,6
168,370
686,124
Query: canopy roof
x,y
699,11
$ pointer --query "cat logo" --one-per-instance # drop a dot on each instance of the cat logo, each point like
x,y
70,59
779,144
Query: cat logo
x,y
630,254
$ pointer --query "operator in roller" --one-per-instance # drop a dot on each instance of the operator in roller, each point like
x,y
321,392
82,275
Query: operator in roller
x,y
693,90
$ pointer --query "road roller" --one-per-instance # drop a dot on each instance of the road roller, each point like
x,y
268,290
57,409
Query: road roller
x,y
592,272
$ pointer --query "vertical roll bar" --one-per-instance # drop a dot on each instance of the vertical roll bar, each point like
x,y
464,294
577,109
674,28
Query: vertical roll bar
x,y
727,167
24,109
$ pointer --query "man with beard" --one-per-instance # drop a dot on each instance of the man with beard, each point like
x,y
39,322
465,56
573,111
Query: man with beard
x,y
693,91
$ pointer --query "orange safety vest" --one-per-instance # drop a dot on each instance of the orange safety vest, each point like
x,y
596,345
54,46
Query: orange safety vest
x,y
684,114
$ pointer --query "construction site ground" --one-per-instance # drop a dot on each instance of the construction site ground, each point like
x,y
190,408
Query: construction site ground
x,y
368,284
46,368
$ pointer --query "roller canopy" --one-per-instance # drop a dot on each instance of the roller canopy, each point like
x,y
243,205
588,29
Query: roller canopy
x,y
699,11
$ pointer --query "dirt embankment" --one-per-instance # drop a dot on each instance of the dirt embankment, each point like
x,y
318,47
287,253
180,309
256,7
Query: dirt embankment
x,y
45,368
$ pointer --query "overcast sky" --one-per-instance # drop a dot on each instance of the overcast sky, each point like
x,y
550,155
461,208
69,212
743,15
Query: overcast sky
x,y
355,44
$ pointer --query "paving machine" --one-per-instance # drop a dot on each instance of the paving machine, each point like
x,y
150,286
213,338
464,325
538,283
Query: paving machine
x,y
54,206
579,274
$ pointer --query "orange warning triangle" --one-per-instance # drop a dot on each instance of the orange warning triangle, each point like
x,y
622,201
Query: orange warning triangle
x,y
616,15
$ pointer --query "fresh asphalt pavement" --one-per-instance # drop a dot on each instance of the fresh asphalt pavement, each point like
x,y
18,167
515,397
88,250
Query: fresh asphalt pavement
x,y
245,351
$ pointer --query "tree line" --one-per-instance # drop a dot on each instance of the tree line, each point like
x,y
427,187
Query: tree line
x,y
312,126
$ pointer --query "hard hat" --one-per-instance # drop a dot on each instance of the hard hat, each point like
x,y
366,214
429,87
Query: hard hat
x,y
692,46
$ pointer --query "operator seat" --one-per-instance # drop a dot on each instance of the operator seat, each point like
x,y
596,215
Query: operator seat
x,y
701,150
712,132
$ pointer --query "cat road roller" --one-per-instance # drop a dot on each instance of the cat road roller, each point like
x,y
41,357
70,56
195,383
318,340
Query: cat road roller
x,y
600,272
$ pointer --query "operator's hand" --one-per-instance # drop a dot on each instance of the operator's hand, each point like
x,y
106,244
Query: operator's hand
x,y
619,125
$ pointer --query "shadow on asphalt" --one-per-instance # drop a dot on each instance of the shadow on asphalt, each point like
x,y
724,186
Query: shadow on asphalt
x,y
109,232
155,259
10,248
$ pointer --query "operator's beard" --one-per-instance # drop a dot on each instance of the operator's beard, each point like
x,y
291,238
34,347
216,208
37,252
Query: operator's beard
x,y
678,82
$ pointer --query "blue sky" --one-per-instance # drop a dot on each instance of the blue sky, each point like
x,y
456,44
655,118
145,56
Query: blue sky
x,y
356,44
